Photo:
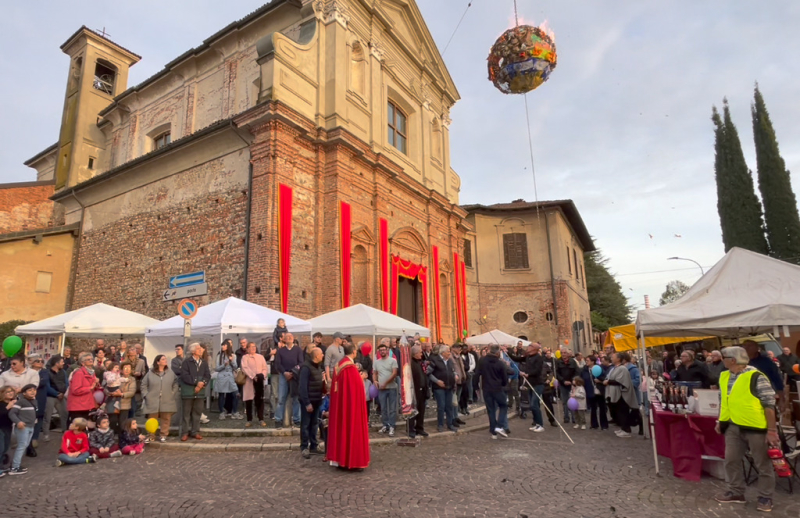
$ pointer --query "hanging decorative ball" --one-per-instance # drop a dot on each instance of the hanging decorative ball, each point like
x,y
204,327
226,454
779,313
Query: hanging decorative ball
x,y
522,59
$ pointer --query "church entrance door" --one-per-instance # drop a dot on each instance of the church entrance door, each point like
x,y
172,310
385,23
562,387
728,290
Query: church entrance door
x,y
409,303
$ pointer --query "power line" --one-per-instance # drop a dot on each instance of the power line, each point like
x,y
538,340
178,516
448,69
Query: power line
x,y
657,271
456,29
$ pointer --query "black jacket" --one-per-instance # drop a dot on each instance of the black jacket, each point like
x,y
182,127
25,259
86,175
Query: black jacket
x,y
420,380
443,372
311,384
493,373
191,375
695,372
566,371
534,368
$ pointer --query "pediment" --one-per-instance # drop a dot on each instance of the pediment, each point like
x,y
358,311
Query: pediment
x,y
444,266
409,240
363,235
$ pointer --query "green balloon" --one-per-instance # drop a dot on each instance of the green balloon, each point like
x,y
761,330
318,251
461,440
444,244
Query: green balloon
x,y
12,345
465,333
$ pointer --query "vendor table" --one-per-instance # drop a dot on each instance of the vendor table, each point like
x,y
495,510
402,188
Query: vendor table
x,y
685,439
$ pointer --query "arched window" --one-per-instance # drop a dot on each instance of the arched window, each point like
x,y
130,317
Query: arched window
x,y
358,68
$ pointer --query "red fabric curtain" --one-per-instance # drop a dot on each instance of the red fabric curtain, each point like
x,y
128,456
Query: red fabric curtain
x,y
457,290
384,257
409,270
437,293
464,312
284,242
345,223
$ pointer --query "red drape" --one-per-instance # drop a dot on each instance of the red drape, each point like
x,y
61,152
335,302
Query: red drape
x,y
284,242
457,291
464,312
409,270
437,291
384,257
345,222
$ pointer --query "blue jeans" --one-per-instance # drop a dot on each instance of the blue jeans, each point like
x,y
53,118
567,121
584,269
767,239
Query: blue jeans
x,y
564,393
470,387
228,400
80,459
283,394
497,408
535,405
444,406
388,400
132,411
24,437
309,424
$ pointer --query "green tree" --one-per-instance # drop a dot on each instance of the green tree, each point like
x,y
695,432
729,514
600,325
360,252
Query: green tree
x,y
674,291
608,304
780,205
738,206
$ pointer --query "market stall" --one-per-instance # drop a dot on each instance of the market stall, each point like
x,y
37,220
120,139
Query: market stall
x,y
745,293
96,321
623,338
362,320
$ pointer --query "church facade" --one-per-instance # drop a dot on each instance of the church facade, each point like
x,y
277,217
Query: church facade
x,y
300,157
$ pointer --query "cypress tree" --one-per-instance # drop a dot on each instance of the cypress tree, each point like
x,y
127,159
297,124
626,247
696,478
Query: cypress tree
x,y
780,205
739,208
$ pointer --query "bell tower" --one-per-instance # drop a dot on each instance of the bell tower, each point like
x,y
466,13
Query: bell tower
x,y
98,72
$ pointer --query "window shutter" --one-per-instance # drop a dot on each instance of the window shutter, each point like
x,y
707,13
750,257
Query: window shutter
x,y
508,249
468,253
515,248
523,250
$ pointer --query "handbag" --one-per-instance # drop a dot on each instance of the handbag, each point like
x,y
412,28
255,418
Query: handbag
x,y
240,377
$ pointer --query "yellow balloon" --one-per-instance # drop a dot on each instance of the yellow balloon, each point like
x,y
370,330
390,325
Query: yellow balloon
x,y
151,425
558,354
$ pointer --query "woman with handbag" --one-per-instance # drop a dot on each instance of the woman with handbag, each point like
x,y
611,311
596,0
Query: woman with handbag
x,y
255,368
620,394
225,383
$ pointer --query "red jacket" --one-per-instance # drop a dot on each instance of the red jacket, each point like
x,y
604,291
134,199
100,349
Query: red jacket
x,y
74,441
81,391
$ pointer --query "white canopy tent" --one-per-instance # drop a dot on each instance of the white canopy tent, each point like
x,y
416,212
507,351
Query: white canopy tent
x,y
364,320
745,293
216,321
496,337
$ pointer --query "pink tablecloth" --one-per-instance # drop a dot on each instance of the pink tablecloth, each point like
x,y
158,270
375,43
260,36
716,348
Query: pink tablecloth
x,y
684,438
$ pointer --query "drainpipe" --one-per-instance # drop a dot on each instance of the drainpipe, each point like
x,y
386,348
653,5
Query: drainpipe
x,y
76,254
247,231
552,276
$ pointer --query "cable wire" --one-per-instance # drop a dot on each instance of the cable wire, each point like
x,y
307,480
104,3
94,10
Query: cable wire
x,y
456,29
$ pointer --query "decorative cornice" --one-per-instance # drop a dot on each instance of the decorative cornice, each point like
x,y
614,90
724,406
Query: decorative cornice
x,y
376,51
329,11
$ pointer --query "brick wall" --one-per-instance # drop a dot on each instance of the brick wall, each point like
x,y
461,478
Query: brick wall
x,y
27,206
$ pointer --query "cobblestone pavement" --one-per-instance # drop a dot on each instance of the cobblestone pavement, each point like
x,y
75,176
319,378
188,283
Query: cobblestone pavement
x,y
527,475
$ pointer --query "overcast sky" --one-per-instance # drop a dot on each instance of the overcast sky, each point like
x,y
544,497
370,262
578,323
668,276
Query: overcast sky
x,y
622,127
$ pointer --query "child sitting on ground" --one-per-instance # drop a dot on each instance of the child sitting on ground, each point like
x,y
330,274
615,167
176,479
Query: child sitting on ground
x,y
131,442
579,393
75,445
101,440
112,381
23,415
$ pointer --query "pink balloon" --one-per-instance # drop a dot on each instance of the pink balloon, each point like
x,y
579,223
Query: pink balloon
x,y
98,397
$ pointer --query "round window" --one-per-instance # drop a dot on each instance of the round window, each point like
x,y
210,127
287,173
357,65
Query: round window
x,y
520,317
549,316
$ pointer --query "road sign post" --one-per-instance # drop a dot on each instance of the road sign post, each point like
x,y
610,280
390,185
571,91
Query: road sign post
x,y
187,309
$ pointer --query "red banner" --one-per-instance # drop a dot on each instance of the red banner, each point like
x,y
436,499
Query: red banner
x,y
384,258
437,297
284,242
409,270
465,313
457,291
345,223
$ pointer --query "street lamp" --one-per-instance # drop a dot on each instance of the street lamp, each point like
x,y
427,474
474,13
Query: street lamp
x,y
685,259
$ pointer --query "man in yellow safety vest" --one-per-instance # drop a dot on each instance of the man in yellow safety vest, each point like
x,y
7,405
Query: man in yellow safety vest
x,y
747,418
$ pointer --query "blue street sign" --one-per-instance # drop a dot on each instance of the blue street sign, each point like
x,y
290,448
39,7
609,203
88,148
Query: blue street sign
x,y
187,279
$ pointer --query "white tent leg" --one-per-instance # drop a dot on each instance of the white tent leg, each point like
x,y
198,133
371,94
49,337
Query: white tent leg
x,y
63,342
650,414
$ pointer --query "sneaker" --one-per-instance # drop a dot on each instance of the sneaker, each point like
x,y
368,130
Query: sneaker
x,y
508,432
18,471
500,431
576,426
439,429
3,472
92,459
204,419
116,454
221,416
238,416
623,434
494,436
132,452
162,439
306,454
148,440
384,429
536,428
764,504
391,431
730,497
583,427
58,464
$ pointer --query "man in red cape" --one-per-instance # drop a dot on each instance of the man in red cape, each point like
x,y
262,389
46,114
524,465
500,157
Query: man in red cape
x,y
348,429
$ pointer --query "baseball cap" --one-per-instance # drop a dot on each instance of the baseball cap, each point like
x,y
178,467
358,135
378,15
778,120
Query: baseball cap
x,y
338,335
